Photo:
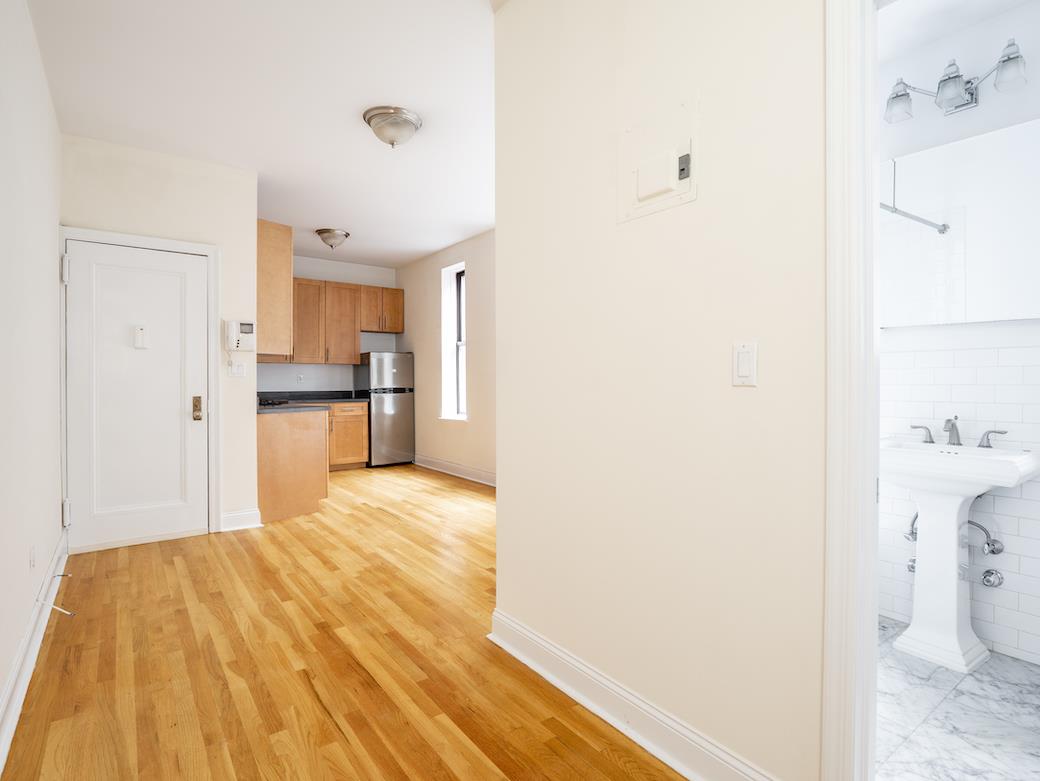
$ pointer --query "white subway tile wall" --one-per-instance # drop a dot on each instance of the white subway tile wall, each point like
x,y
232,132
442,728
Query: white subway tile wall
x,y
987,374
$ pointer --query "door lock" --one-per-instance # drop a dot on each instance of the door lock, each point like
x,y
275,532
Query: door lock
x,y
196,408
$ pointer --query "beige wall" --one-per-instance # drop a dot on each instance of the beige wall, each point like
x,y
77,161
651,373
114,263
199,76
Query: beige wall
x,y
465,447
117,188
667,530
30,477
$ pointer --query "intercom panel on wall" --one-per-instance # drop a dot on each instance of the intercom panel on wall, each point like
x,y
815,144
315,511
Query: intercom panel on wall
x,y
657,160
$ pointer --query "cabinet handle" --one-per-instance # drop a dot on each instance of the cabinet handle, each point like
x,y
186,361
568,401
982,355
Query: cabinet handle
x,y
326,355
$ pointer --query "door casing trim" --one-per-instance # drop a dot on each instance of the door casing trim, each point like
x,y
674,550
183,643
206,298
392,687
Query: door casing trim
x,y
213,351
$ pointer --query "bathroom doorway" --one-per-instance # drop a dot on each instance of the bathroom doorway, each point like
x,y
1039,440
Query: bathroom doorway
x,y
933,639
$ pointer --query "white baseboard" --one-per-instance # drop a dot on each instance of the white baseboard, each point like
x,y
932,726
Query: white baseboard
x,y
457,470
240,519
675,743
13,694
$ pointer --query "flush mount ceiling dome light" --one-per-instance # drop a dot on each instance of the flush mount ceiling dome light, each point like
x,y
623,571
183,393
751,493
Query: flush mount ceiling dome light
x,y
392,125
955,93
332,236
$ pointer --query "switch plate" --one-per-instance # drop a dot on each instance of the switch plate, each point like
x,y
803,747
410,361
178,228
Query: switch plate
x,y
140,338
236,369
745,364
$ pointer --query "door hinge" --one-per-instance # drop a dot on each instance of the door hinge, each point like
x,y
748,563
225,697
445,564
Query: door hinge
x,y
66,513
65,268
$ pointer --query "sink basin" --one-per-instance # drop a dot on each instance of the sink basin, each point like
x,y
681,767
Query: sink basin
x,y
960,469
943,481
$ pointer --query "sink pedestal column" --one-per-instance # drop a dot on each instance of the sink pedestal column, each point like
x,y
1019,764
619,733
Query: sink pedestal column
x,y
940,630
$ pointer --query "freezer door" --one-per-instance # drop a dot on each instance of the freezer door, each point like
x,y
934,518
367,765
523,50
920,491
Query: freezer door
x,y
392,426
391,370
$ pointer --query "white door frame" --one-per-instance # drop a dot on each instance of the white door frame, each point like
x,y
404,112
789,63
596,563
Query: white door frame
x,y
213,353
850,611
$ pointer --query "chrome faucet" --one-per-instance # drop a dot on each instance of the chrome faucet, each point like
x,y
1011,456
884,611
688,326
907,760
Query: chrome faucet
x,y
955,433
927,434
984,442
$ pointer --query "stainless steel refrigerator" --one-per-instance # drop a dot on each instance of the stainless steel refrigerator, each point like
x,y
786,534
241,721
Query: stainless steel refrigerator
x,y
388,380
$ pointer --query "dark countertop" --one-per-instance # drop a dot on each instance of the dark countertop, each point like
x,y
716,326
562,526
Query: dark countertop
x,y
292,408
300,396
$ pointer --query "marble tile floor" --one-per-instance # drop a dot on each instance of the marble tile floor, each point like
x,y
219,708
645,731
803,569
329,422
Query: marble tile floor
x,y
938,725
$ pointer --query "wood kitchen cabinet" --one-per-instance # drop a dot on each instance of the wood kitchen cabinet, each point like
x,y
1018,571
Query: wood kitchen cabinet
x,y
382,310
274,291
342,323
308,321
326,322
348,435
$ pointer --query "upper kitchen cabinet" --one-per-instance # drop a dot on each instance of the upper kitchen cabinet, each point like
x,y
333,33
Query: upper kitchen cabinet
x,y
342,323
308,321
326,322
382,310
274,291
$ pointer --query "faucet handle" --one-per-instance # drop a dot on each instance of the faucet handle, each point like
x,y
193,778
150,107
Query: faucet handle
x,y
927,434
984,442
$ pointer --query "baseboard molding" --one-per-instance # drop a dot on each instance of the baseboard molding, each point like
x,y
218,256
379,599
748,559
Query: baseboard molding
x,y
135,541
456,470
675,743
240,519
13,695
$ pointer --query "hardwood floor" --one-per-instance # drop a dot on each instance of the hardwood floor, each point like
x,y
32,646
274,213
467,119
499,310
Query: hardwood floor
x,y
345,644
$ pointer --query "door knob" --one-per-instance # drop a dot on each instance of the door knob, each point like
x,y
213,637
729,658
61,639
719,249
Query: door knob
x,y
196,408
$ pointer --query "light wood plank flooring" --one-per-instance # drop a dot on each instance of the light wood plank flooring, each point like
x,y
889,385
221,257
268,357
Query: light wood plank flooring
x,y
340,645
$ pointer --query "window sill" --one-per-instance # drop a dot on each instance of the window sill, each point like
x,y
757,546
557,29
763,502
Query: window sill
x,y
462,418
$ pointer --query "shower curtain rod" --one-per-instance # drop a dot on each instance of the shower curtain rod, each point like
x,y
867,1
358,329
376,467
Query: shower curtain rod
x,y
936,226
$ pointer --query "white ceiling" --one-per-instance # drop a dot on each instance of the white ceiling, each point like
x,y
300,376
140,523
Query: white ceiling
x,y
906,24
278,86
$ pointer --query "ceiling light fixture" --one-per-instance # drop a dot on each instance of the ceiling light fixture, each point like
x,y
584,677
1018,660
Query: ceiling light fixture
x,y
393,125
332,236
955,93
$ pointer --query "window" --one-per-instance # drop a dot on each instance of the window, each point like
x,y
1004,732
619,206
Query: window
x,y
453,342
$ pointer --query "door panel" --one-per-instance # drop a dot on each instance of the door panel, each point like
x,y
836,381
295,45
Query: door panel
x,y
392,428
308,321
348,442
137,353
342,323
393,310
371,308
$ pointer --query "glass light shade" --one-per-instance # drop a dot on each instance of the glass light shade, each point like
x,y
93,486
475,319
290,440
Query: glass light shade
x,y
898,108
1011,70
950,91
393,129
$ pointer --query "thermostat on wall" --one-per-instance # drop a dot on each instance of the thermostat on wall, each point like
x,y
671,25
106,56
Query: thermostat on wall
x,y
240,336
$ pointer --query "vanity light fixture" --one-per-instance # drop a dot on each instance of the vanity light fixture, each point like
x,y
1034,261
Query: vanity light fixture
x,y
332,236
954,92
392,125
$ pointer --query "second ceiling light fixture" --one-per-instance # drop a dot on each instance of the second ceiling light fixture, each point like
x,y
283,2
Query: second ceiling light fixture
x,y
955,93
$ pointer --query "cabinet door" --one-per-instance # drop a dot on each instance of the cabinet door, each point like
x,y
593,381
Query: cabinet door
x,y
342,323
274,288
308,321
348,440
393,310
371,308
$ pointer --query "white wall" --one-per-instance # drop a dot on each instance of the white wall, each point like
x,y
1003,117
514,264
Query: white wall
x,y
989,375
667,531
976,50
117,188
463,447
30,478
322,377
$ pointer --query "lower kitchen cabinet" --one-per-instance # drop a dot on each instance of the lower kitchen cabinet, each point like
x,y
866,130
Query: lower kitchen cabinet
x,y
348,435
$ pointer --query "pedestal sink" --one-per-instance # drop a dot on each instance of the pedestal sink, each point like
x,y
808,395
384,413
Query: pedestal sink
x,y
944,480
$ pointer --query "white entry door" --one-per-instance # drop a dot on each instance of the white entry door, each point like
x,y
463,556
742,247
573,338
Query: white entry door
x,y
136,331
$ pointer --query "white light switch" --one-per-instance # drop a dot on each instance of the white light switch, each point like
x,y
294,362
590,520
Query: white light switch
x,y
140,338
745,364
236,369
